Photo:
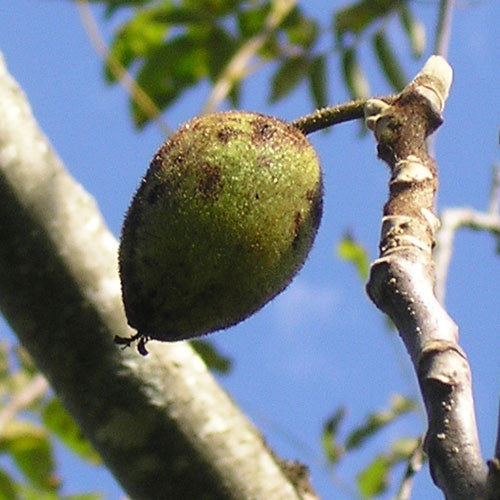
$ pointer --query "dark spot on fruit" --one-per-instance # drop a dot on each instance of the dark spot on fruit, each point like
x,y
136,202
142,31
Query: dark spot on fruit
x,y
166,151
310,195
225,134
178,160
297,234
210,184
263,162
297,223
262,130
256,196
194,125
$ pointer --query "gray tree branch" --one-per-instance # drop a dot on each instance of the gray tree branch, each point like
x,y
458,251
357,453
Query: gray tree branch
x,y
453,219
402,280
162,425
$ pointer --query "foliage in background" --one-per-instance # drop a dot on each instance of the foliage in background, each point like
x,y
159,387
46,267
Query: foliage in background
x,y
170,47
349,250
30,419
374,479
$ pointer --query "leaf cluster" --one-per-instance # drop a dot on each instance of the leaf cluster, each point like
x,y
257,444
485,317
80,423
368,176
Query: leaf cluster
x,y
370,18
374,479
30,419
171,46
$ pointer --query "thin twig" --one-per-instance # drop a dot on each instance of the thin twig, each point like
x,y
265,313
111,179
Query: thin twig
x,y
441,44
326,117
118,71
331,115
453,219
443,30
34,390
494,205
415,463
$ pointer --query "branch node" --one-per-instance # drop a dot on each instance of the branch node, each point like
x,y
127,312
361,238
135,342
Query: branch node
x,y
411,169
434,82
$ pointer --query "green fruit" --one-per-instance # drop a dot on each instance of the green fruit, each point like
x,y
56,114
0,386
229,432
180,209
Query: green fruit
x,y
222,221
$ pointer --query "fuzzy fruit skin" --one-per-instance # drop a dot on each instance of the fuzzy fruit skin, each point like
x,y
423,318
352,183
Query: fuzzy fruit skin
x,y
223,219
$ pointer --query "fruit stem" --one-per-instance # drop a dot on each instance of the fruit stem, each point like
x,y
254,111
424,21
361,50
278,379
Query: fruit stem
x,y
331,115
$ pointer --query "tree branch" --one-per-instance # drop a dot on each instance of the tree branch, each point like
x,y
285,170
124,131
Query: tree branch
x,y
331,115
401,280
443,28
161,423
413,468
453,219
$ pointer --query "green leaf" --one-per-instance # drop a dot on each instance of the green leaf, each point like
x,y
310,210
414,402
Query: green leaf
x,y
58,421
331,448
185,15
7,487
138,38
400,405
415,31
318,81
212,358
378,420
403,449
169,71
373,480
354,78
183,59
291,72
300,30
351,251
357,17
31,450
213,8
234,95
251,21
387,58
222,47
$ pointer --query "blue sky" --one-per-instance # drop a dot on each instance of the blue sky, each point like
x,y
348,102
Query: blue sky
x,y
321,343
